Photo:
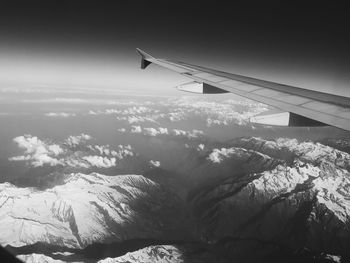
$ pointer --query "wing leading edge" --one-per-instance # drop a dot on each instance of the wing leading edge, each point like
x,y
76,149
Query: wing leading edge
x,y
321,107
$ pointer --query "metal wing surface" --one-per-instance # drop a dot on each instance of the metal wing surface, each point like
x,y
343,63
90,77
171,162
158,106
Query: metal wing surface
x,y
307,106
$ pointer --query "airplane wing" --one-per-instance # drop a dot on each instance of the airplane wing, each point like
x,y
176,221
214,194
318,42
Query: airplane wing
x,y
302,107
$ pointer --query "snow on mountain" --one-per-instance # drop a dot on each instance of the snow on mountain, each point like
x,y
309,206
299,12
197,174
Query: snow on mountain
x,y
161,254
327,167
332,189
218,155
87,208
165,253
304,195
284,179
38,258
248,195
306,151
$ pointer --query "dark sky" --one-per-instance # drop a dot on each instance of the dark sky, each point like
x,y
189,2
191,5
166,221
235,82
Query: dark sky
x,y
275,40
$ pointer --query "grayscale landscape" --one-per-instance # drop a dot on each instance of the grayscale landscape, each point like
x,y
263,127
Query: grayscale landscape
x,y
105,160
118,178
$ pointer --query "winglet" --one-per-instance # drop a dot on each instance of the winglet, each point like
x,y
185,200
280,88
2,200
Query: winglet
x,y
145,58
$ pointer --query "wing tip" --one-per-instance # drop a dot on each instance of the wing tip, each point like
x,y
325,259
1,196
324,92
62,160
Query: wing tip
x,y
145,58
143,53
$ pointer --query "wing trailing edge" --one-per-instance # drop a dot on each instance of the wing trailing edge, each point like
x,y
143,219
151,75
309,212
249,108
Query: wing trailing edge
x,y
289,119
200,88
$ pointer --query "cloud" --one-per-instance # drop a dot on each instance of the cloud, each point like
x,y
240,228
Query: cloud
x,y
149,131
177,115
155,132
60,114
163,131
154,163
73,141
91,112
136,129
37,152
211,122
99,161
101,149
135,110
215,113
73,151
218,155
136,119
188,134
200,147
178,132
123,151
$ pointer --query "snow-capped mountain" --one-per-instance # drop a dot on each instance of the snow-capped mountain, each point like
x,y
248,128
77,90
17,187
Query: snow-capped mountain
x,y
87,208
38,258
164,254
300,201
252,200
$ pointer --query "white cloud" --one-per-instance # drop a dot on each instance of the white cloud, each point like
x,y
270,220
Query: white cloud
x,y
99,161
215,113
37,152
102,149
74,161
112,111
177,115
200,147
188,134
122,130
210,122
154,163
163,131
138,119
60,114
195,133
155,132
135,119
218,155
151,131
178,132
91,112
123,151
73,141
135,110
136,129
